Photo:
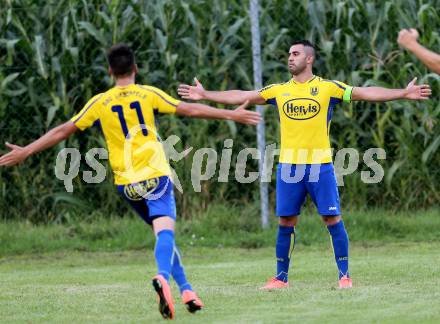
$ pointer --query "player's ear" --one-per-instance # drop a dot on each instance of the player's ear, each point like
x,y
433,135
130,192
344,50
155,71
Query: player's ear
x,y
110,71
135,69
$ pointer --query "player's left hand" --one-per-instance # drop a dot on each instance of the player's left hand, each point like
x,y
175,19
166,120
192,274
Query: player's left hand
x,y
417,91
17,155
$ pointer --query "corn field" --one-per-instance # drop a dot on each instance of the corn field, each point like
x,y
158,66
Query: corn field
x,y
52,60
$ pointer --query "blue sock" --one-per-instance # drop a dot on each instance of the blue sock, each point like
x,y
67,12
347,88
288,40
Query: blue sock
x,y
178,272
340,246
283,249
163,252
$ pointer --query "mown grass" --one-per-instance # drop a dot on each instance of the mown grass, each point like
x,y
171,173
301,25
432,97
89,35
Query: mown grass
x,y
394,283
218,226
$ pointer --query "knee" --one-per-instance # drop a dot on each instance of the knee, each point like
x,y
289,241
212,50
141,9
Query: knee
x,y
163,223
288,220
331,220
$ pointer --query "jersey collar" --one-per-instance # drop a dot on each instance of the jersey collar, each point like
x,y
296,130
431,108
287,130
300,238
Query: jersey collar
x,y
305,82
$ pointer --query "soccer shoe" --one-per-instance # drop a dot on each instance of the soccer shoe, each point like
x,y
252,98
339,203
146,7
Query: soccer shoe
x,y
192,301
165,299
345,282
274,283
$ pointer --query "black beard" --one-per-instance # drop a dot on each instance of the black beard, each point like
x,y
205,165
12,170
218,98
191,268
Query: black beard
x,y
296,71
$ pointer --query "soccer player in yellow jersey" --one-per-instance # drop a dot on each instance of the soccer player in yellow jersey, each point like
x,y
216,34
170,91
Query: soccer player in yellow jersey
x,y
305,104
127,113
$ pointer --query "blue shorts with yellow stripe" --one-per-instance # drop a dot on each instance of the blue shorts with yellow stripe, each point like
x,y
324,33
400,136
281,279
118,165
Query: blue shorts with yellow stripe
x,y
152,198
295,181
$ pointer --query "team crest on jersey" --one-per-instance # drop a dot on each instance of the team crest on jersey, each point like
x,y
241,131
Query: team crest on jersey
x,y
140,190
301,108
314,91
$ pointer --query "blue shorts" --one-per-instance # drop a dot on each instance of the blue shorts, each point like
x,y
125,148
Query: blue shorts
x,y
294,181
151,198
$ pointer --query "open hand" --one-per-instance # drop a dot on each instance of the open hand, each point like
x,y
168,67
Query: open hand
x,y
417,92
241,115
187,91
15,156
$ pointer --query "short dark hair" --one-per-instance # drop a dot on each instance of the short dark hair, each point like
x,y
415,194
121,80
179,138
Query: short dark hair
x,y
306,43
120,57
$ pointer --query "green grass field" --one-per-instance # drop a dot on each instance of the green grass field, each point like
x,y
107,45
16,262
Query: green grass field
x,y
396,282
224,226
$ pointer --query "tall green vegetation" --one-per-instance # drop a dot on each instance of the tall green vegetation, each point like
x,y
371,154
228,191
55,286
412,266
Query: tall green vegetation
x,y
52,60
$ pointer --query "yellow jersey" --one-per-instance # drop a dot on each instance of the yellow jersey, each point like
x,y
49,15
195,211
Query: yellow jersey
x,y
127,117
305,111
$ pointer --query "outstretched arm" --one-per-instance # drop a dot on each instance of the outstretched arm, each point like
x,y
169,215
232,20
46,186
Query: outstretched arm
x,y
408,39
230,97
51,138
412,92
239,115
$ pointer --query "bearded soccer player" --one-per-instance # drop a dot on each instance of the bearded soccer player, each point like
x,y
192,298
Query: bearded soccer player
x,y
127,114
305,104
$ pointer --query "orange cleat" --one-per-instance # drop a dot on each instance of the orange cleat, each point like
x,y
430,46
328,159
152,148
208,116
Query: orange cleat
x,y
345,282
192,301
165,299
274,283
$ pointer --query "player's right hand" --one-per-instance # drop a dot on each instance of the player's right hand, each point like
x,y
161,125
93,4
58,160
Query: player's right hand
x,y
241,115
407,37
190,92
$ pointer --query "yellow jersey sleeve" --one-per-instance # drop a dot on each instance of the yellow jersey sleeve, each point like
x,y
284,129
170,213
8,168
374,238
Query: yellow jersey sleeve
x,y
269,92
163,102
89,114
341,90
